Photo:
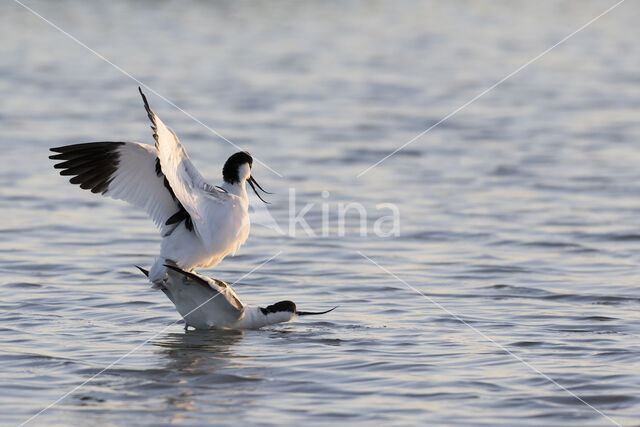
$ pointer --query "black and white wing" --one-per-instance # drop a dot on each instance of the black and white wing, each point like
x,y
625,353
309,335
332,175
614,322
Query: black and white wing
x,y
122,170
202,301
184,179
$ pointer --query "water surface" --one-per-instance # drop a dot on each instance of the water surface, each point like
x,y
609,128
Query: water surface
x,y
519,215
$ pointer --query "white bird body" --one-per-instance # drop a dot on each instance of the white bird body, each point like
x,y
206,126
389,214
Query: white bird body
x,y
191,250
200,223
206,303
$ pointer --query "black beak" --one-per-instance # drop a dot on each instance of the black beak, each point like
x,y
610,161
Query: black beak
x,y
253,181
314,313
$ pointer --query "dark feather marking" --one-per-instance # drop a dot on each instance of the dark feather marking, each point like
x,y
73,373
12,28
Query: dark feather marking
x,y
177,217
182,213
91,165
162,288
77,170
145,272
232,165
168,187
97,183
96,169
151,115
74,163
86,180
166,181
197,279
287,306
85,146
84,154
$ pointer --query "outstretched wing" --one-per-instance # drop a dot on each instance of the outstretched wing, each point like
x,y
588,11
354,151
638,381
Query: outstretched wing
x,y
121,170
184,179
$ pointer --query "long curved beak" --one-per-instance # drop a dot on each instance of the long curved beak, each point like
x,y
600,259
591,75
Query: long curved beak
x,y
251,180
314,313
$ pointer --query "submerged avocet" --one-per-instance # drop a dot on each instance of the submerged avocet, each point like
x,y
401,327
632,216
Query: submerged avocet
x,y
206,303
200,223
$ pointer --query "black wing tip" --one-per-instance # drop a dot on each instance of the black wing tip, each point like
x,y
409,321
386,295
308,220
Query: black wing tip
x,y
150,112
145,272
86,146
92,165
315,313
144,98
66,148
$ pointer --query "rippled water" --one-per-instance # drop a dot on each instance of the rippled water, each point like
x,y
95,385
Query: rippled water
x,y
520,214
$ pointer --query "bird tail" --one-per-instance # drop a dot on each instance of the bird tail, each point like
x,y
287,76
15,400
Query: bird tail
x,y
145,272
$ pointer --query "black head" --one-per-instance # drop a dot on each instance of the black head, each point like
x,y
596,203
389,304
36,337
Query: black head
x,y
231,171
278,307
232,166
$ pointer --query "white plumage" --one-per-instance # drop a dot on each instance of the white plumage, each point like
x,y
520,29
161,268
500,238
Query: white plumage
x,y
135,181
200,223
206,303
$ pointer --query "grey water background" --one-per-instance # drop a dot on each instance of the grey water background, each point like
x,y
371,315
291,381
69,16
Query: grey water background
x,y
520,214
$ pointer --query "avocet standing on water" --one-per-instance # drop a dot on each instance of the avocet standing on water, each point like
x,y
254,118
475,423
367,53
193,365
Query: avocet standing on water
x,y
200,223
206,303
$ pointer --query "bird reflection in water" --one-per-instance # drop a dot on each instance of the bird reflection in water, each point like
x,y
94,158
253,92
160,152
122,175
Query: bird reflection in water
x,y
199,362
197,351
